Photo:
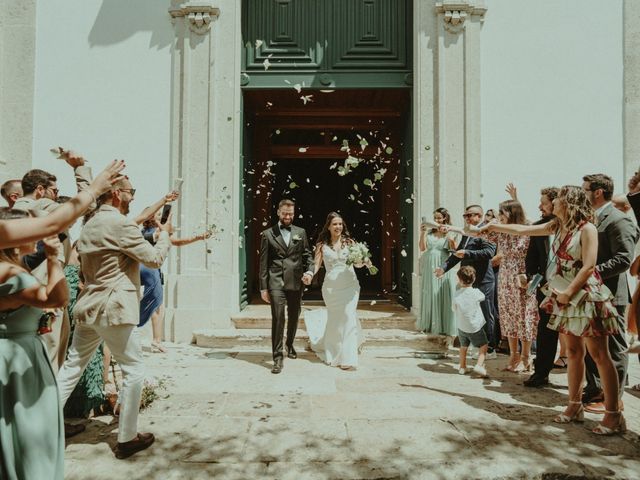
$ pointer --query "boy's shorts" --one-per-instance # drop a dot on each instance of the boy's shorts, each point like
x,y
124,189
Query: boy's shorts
x,y
477,339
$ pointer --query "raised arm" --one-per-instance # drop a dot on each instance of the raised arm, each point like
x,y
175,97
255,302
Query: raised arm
x,y
17,232
151,210
542,230
181,242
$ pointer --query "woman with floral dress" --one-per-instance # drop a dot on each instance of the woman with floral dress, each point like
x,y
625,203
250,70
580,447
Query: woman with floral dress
x,y
579,304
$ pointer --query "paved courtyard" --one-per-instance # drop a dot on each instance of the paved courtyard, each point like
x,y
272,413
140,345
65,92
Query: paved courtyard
x,y
223,415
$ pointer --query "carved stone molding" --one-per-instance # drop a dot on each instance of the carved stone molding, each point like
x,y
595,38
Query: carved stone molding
x,y
454,13
199,15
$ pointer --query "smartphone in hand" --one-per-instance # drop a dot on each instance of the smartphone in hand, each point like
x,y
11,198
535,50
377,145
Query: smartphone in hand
x,y
166,210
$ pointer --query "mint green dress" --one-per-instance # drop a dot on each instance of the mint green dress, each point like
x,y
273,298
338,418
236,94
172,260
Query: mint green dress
x,y
436,314
31,424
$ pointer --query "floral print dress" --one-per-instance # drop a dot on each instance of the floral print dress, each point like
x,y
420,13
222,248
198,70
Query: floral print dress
x,y
596,315
518,310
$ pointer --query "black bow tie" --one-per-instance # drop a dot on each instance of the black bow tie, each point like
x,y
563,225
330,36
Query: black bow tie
x,y
285,227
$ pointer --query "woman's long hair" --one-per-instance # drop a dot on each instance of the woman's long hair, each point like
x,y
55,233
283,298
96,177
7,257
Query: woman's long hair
x,y
11,255
514,212
325,234
577,206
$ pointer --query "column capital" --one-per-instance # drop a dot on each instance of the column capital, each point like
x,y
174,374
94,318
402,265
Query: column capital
x,y
455,12
198,14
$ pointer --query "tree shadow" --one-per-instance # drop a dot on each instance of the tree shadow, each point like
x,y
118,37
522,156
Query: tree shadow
x,y
119,20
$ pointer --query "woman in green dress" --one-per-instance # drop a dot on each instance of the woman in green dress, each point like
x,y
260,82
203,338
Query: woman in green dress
x,y
31,424
436,314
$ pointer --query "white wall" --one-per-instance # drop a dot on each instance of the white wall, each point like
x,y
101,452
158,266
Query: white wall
x,y
102,87
551,95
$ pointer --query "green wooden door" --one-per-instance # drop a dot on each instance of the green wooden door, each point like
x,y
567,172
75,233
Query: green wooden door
x,y
326,43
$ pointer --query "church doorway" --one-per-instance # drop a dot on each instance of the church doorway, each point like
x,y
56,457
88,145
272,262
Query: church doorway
x,y
342,151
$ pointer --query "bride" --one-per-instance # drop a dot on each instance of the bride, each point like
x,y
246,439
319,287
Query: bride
x,y
335,333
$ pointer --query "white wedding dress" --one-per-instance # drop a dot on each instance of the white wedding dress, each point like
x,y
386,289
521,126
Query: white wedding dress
x,y
335,333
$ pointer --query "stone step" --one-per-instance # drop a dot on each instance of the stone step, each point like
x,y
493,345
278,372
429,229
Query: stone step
x,y
387,317
260,339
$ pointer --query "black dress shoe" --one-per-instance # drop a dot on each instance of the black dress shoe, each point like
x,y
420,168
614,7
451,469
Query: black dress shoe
x,y
126,449
277,366
536,381
291,353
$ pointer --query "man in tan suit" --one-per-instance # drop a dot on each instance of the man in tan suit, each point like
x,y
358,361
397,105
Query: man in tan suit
x,y
111,249
40,192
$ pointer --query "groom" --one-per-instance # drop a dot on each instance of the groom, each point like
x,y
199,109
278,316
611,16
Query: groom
x,y
284,256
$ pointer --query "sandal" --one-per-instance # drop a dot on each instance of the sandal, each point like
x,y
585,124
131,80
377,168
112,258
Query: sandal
x,y
560,365
156,347
621,426
578,415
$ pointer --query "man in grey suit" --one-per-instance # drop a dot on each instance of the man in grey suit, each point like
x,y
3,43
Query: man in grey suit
x,y
111,249
286,264
617,237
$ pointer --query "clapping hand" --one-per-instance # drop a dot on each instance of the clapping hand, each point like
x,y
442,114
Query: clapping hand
x,y
460,253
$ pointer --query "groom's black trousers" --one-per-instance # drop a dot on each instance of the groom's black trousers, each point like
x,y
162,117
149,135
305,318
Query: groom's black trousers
x,y
291,299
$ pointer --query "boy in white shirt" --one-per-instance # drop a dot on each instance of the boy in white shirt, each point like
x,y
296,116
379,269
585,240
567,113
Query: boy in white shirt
x,y
466,305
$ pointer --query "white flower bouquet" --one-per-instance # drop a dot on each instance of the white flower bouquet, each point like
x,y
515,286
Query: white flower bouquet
x,y
359,255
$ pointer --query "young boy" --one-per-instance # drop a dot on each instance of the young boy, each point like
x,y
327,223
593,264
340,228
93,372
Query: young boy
x,y
466,305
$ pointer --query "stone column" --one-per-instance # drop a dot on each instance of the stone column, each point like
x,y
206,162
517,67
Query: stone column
x,y
446,117
631,107
203,285
17,76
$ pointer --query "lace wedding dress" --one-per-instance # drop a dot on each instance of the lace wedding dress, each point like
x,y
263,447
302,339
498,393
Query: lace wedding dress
x,y
335,333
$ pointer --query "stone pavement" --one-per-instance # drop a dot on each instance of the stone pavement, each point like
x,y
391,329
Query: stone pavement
x,y
223,415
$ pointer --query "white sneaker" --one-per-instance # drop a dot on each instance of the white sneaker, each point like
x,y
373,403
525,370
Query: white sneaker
x,y
491,356
462,371
480,370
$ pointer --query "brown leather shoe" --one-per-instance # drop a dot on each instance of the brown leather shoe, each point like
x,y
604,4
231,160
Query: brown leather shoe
x,y
599,409
141,442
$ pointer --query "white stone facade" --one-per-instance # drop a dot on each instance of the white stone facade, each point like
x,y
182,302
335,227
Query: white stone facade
x,y
503,90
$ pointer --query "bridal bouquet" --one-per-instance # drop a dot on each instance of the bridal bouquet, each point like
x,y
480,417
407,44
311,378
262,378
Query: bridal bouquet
x,y
358,254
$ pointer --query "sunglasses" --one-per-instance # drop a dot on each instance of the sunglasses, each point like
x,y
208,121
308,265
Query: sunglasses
x,y
467,215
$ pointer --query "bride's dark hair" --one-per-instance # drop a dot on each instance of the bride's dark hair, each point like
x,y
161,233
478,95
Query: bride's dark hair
x,y
325,234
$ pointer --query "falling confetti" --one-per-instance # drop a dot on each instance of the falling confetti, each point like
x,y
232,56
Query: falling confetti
x,y
403,252
303,149
259,43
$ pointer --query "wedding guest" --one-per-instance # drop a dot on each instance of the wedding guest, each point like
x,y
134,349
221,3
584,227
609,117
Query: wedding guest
x,y
470,320
111,248
11,191
617,237
30,404
518,309
477,253
633,196
40,191
435,246
89,393
490,215
538,263
152,279
579,304
24,230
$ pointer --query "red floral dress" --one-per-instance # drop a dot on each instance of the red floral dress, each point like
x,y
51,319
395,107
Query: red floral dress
x,y
596,315
518,310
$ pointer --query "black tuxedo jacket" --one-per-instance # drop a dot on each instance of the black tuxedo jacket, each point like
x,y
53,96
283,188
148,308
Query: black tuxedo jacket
x,y
282,266
617,237
479,253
